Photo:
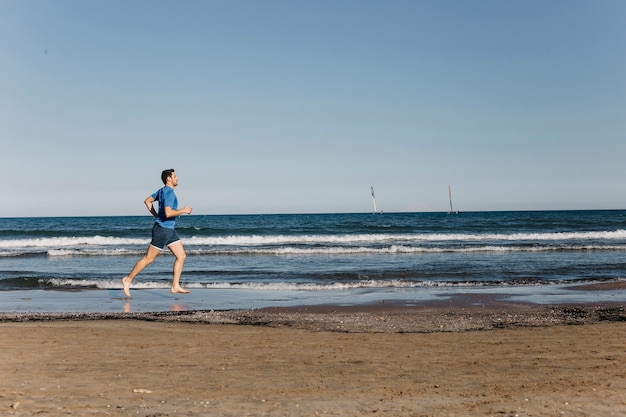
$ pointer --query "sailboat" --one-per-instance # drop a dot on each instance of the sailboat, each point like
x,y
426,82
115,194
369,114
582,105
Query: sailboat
x,y
450,197
376,211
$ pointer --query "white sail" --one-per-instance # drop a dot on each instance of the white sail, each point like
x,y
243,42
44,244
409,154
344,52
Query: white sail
x,y
450,197
376,211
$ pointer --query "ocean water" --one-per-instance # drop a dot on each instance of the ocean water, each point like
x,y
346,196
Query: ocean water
x,y
243,261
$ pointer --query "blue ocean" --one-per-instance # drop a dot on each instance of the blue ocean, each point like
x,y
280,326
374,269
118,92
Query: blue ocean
x,y
251,261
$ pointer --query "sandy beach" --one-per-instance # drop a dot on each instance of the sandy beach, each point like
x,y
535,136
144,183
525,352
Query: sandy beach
x,y
454,359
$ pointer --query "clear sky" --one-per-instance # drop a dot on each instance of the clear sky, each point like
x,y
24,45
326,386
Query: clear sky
x,y
300,106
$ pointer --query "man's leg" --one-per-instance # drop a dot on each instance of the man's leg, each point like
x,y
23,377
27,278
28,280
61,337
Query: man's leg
x,y
179,252
147,259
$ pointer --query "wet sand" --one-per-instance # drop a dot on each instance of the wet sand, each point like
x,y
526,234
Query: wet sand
x,y
454,358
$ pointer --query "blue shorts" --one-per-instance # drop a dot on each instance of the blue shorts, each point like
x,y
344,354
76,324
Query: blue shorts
x,y
163,236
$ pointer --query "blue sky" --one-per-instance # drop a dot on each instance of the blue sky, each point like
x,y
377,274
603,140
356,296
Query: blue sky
x,y
300,106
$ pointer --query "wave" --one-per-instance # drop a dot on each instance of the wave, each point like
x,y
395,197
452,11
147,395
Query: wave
x,y
255,240
251,240
400,249
108,284
325,244
70,241
323,250
92,252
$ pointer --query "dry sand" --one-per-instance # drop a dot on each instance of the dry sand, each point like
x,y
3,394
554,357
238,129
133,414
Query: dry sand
x,y
455,359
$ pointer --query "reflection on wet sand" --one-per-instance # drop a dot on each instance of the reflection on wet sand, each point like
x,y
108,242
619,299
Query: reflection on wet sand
x,y
176,307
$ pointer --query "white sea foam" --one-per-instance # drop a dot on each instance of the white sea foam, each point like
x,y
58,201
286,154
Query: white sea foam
x,y
275,286
328,244
330,251
56,242
92,252
252,240
396,249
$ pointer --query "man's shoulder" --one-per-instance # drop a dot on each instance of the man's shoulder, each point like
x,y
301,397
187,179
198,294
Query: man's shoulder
x,y
163,193
169,197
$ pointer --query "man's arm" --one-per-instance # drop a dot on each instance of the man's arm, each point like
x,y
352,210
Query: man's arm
x,y
170,212
148,202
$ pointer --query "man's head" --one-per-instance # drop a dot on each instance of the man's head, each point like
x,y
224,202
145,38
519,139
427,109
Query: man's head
x,y
168,173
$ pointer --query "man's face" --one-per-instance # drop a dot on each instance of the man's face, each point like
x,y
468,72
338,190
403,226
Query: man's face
x,y
173,179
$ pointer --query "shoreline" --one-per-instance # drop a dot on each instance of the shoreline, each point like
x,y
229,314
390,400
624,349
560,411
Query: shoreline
x,y
463,312
111,303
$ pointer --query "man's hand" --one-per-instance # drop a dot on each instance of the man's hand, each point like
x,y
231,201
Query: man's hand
x,y
148,202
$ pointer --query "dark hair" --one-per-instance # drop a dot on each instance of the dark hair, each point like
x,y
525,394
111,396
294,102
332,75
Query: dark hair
x,y
166,174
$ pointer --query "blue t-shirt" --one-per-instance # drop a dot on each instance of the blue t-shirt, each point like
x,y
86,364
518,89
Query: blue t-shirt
x,y
166,198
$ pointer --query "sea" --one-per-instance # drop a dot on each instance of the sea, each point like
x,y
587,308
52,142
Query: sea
x,y
75,264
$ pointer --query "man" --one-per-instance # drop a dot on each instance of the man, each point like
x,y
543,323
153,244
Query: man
x,y
163,232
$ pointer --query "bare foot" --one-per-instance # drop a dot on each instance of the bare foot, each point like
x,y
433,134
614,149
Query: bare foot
x,y
179,289
126,287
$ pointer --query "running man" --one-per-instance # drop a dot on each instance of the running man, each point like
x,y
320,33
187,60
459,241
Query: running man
x,y
163,232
